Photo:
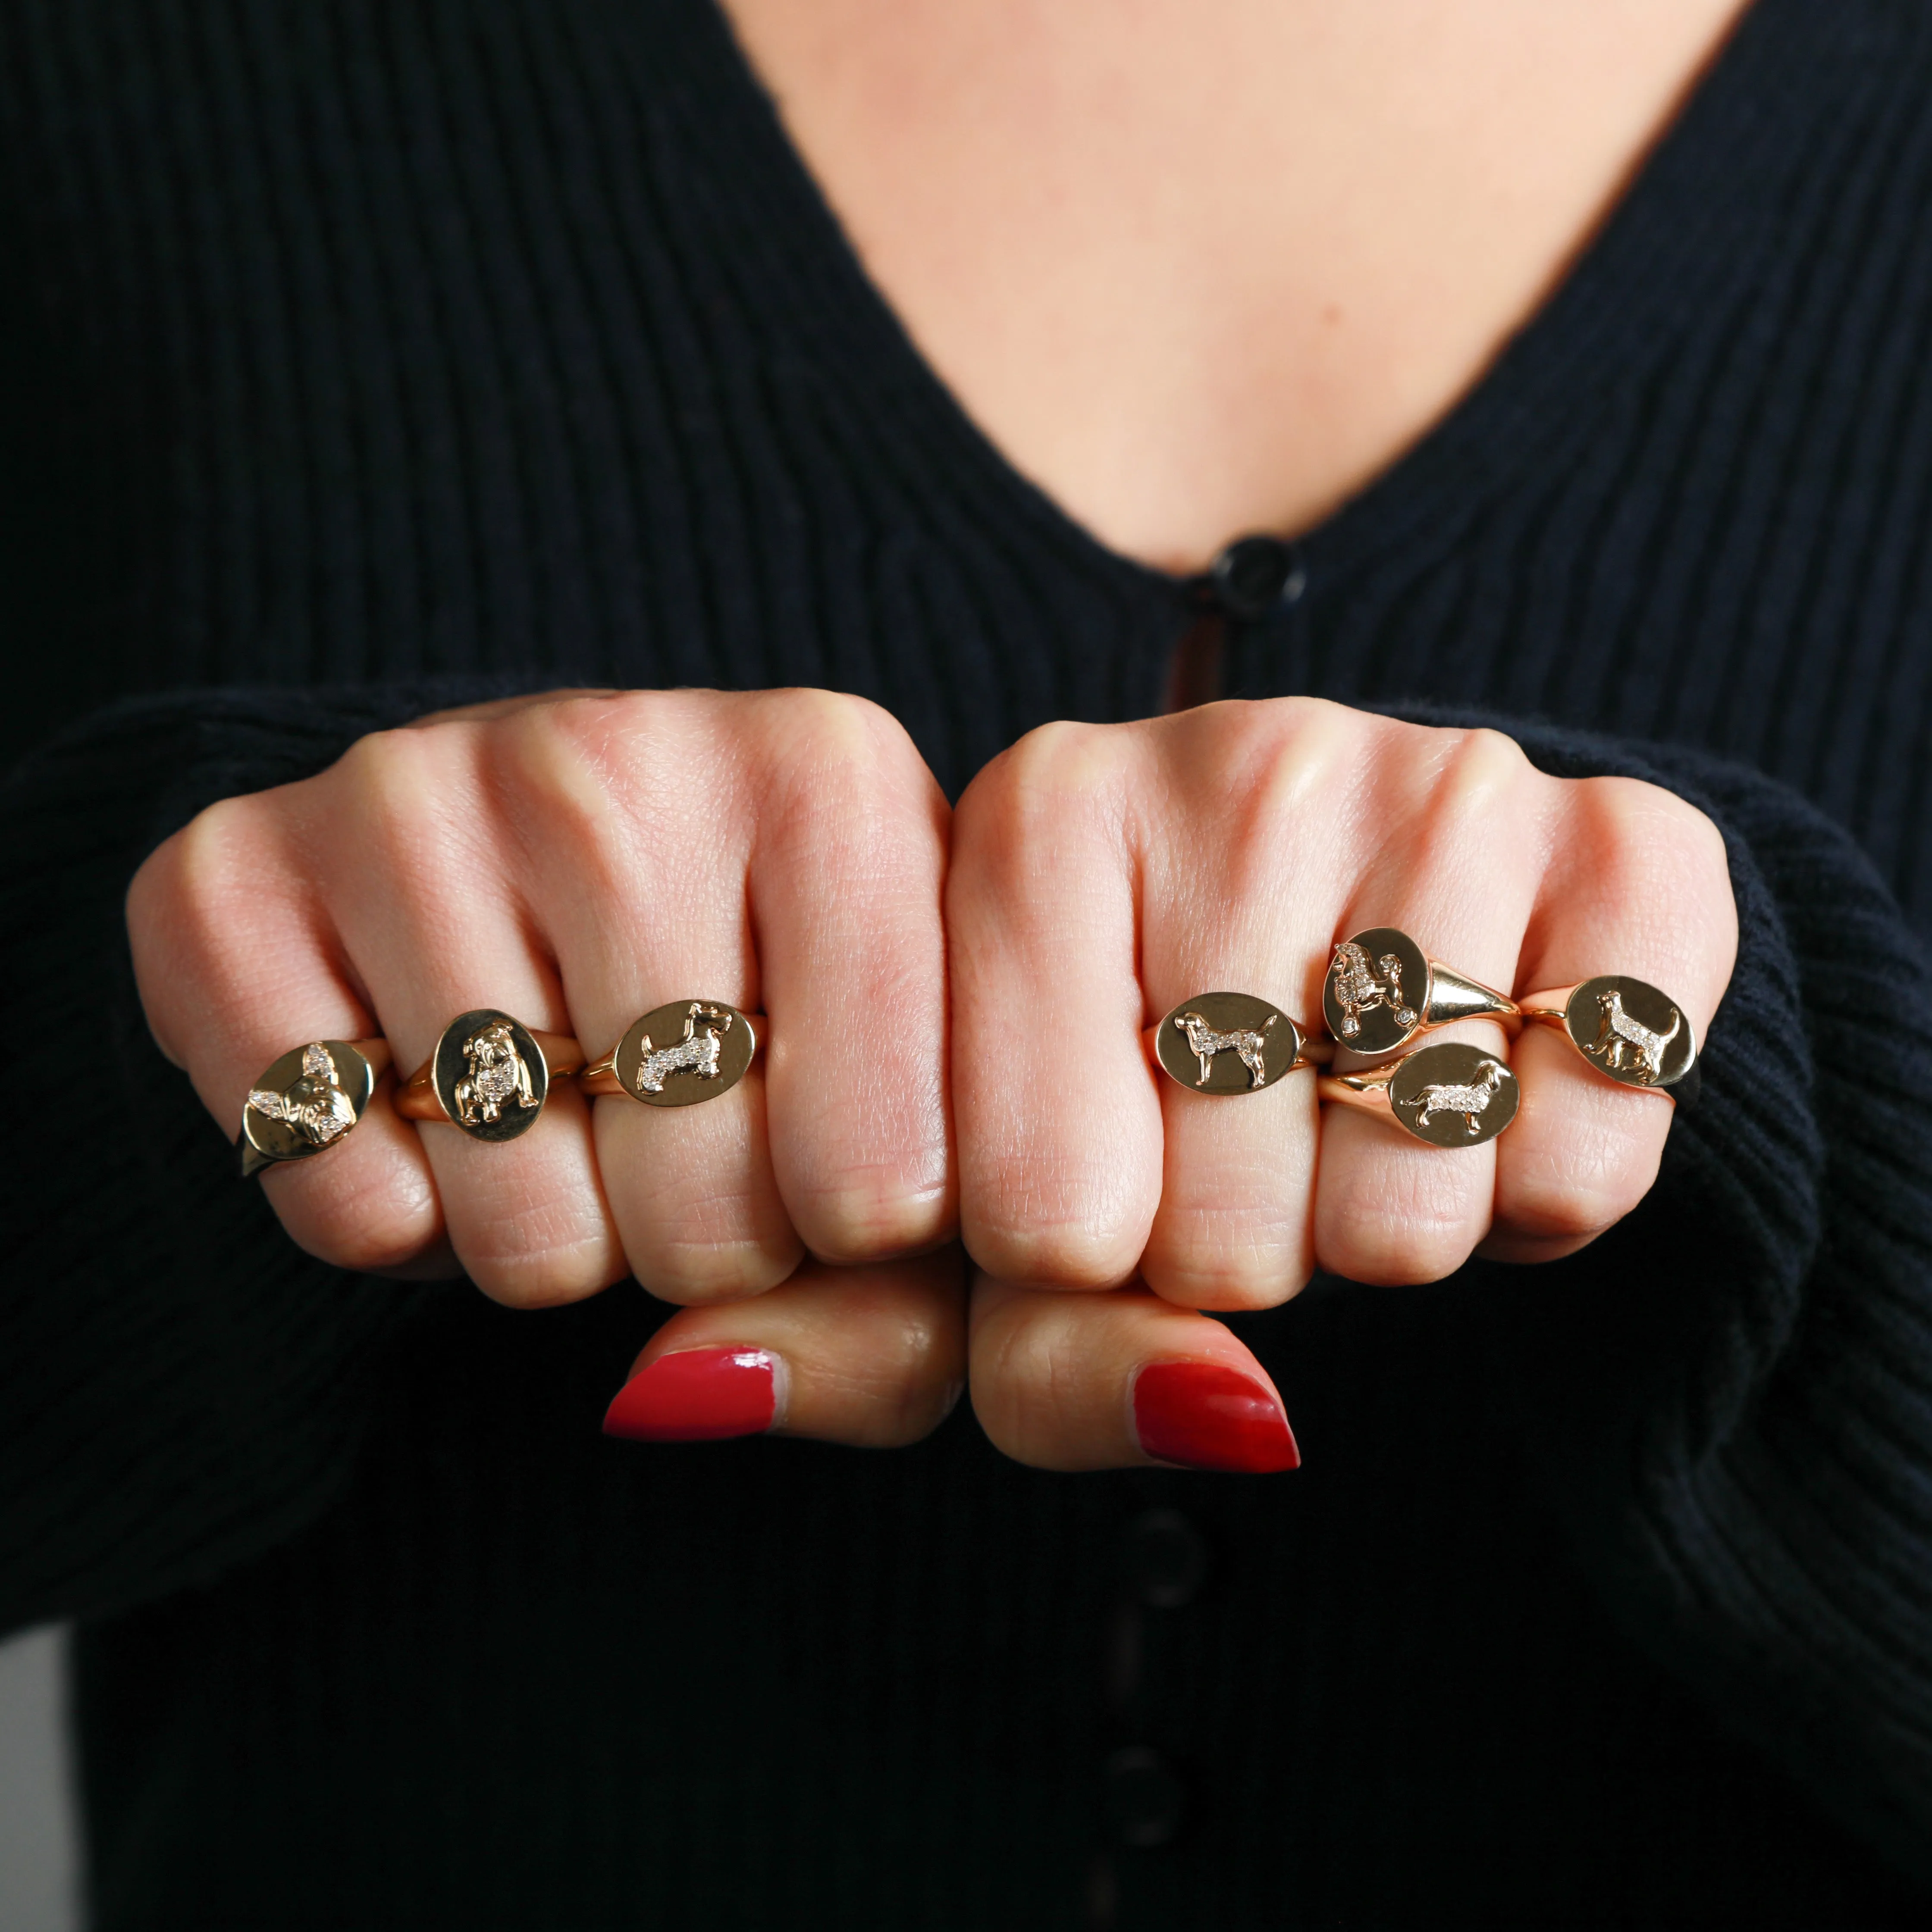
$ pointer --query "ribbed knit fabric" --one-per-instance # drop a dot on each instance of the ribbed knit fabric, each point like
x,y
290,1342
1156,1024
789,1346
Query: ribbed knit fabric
x,y
362,356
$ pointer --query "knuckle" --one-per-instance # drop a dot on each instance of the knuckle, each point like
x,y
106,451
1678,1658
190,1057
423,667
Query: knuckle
x,y
364,1223
1482,773
701,1274
1062,1230
399,789
1391,1238
1211,1265
870,1215
534,1254
1060,780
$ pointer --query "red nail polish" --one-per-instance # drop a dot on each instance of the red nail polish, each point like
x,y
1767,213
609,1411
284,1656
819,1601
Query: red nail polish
x,y
698,1395
1206,1417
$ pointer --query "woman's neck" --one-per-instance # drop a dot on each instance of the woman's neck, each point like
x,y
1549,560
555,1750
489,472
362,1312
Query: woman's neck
x,y
1202,266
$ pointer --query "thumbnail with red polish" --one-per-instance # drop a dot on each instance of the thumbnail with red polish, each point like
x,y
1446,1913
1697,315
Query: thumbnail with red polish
x,y
699,1395
1207,1417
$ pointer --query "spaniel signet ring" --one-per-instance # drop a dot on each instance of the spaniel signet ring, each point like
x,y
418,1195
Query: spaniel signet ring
x,y
1627,1029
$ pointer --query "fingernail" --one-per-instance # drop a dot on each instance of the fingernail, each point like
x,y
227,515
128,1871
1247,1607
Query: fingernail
x,y
698,1395
1206,1417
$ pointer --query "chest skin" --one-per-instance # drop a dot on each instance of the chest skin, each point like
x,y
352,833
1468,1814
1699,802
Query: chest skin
x,y
1203,266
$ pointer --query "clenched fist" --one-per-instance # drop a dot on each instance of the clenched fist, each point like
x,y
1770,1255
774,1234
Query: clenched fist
x,y
579,859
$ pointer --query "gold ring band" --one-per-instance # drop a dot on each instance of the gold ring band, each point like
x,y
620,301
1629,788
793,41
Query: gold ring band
x,y
1381,990
309,1100
488,1076
1453,1095
679,1054
1626,1029
1227,1043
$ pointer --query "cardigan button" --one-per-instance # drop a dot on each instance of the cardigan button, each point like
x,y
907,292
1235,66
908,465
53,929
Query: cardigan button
x,y
1254,574
1144,1798
1165,1559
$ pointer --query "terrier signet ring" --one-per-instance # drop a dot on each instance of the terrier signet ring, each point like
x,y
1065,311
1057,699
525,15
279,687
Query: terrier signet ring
x,y
1626,1029
309,1100
1451,1095
677,1055
1382,990
1226,1043
489,1075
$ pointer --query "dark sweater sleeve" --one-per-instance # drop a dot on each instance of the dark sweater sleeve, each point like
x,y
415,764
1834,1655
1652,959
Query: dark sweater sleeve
x,y
180,1387
1731,1395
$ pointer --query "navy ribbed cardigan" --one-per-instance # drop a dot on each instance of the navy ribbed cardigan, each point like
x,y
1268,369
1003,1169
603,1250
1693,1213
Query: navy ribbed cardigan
x,y
360,355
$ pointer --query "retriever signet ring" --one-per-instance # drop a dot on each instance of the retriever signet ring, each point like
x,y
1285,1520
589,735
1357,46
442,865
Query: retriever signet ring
x,y
1382,990
489,1076
1627,1029
1226,1043
310,1100
677,1055
1451,1096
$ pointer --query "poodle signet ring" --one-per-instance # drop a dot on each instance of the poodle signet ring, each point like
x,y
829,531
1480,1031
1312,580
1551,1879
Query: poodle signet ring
x,y
1451,1096
1226,1043
1627,1029
1382,990
489,1076
677,1055
310,1100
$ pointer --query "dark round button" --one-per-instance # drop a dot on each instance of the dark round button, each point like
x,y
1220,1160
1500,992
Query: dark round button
x,y
1166,1558
1144,1797
1255,573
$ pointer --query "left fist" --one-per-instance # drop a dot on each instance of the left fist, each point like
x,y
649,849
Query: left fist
x,y
1102,873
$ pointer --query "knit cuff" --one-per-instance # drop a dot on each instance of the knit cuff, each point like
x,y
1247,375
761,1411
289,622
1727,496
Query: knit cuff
x,y
180,1387
1730,1395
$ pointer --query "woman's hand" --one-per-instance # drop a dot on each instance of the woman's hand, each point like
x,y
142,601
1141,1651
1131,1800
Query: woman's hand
x,y
1102,875
576,860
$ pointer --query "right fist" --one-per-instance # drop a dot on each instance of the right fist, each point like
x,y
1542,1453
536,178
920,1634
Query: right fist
x,y
577,859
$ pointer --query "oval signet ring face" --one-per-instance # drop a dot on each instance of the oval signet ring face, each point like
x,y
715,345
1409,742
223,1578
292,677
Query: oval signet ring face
x,y
1226,1043
306,1102
1453,1095
690,1051
1377,990
489,1075
1626,1028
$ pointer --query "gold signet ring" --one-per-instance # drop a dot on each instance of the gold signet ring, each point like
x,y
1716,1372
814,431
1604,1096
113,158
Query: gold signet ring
x,y
1226,1043
489,1075
1626,1029
1382,990
309,1100
677,1055
1451,1095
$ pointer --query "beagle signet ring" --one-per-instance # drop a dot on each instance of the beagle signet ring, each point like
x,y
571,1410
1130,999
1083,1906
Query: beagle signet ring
x,y
677,1055
1627,1029
1227,1043
1382,990
310,1100
489,1076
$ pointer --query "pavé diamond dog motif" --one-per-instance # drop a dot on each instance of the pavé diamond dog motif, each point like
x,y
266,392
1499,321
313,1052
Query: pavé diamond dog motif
x,y
497,1076
316,1104
1620,1037
1470,1099
1359,987
1250,1042
697,1053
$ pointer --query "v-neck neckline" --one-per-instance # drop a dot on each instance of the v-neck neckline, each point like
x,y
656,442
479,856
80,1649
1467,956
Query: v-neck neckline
x,y
1733,153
